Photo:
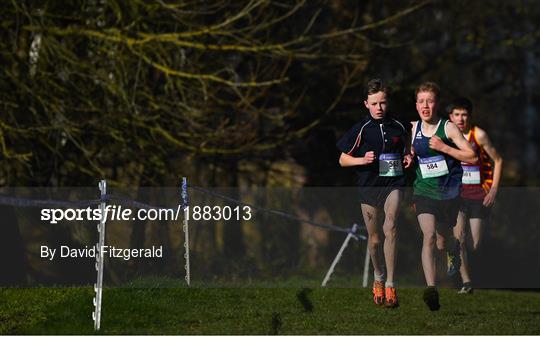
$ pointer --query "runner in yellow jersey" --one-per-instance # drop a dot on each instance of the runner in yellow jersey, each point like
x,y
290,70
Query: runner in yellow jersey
x,y
480,184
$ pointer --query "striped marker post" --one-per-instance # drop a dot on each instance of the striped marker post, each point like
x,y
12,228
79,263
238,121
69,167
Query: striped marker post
x,y
185,205
98,286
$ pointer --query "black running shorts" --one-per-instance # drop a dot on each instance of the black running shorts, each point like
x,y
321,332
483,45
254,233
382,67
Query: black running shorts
x,y
474,209
445,211
375,196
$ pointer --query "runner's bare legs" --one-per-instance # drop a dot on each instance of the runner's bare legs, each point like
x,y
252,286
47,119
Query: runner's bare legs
x,y
476,232
427,225
391,211
370,215
473,236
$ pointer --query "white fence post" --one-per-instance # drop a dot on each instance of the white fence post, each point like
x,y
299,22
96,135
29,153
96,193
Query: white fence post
x,y
338,256
98,287
185,227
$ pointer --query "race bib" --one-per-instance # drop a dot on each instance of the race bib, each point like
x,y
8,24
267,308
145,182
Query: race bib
x,y
432,167
471,175
390,165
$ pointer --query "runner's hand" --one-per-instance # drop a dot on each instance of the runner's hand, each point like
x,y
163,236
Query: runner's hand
x,y
437,144
489,199
407,160
368,158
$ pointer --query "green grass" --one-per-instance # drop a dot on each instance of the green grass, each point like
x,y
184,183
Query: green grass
x,y
343,311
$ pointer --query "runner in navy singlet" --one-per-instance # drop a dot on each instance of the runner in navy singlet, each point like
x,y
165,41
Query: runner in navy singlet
x,y
377,148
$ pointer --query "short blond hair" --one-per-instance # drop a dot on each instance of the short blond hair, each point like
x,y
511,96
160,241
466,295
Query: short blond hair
x,y
429,87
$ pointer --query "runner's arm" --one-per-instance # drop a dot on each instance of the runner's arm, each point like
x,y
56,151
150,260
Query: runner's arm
x,y
464,152
485,143
346,160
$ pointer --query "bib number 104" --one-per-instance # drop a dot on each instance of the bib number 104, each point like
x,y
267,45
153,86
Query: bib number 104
x,y
218,213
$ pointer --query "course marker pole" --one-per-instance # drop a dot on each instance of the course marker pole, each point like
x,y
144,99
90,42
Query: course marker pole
x,y
98,286
184,195
351,234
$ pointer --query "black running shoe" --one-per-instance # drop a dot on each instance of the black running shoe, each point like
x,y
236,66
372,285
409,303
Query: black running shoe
x,y
431,297
466,289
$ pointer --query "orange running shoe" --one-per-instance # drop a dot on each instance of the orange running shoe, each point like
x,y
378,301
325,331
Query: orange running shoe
x,y
378,292
391,300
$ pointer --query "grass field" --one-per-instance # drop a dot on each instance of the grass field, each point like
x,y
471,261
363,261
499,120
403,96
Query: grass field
x,y
343,311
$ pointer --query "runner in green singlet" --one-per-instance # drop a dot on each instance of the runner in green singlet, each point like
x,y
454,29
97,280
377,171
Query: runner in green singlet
x,y
439,147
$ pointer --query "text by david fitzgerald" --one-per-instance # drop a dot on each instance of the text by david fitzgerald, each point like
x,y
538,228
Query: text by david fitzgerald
x,y
108,251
